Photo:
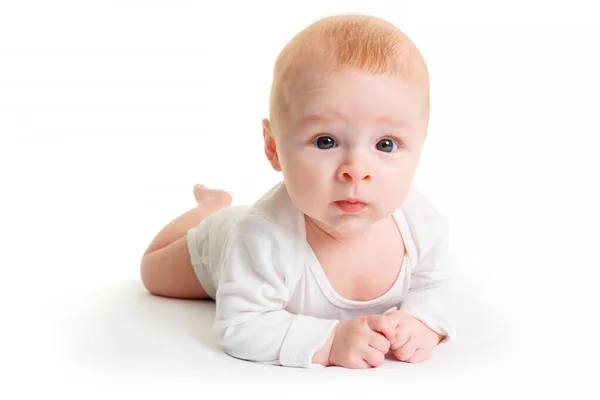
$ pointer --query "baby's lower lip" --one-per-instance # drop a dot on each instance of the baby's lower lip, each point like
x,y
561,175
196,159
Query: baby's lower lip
x,y
350,207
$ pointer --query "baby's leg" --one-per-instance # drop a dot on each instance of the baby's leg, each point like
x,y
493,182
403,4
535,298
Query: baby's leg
x,y
166,269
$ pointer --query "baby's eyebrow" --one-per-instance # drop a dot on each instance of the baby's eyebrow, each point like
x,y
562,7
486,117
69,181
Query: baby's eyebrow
x,y
313,119
393,122
333,116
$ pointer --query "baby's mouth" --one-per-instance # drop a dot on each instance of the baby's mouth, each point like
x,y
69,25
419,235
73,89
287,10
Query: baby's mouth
x,y
350,206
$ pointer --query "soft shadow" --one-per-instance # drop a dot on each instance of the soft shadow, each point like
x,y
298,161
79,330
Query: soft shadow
x,y
122,328
122,325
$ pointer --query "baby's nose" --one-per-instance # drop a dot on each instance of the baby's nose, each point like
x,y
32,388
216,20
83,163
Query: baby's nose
x,y
353,172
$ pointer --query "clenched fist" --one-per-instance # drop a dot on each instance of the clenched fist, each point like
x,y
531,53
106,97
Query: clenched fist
x,y
362,342
414,341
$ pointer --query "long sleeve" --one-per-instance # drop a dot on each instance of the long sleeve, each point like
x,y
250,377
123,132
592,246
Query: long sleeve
x,y
432,293
251,321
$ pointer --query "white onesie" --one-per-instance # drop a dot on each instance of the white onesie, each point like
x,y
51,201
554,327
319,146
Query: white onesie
x,y
274,303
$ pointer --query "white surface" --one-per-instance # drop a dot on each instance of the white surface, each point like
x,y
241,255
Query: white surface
x,y
110,111
121,330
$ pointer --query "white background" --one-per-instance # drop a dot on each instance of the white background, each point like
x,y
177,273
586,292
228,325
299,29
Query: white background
x,y
110,111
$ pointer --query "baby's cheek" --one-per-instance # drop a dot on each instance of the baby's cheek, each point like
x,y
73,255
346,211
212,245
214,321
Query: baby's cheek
x,y
394,192
303,180
306,171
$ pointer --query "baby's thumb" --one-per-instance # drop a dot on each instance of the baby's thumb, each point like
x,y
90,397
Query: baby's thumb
x,y
381,324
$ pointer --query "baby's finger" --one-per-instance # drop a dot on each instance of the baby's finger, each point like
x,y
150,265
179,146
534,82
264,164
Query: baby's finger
x,y
358,364
420,354
380,323
373,357
405,352
402,336
379,342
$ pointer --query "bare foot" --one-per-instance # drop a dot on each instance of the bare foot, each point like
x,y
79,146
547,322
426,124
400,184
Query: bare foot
x,y
211,198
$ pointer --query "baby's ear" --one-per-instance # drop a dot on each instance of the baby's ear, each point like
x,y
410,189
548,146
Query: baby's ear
x,y
270,145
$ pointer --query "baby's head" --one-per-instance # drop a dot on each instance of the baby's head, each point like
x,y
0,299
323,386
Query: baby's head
x,y
349,112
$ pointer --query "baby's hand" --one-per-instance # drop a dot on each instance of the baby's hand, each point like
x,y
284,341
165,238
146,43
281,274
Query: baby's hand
x,y
414,340
362,342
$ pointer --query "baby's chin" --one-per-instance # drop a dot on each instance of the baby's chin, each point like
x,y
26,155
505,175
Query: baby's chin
x,y
345,226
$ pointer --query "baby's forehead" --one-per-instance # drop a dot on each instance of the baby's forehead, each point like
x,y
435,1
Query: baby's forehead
x,y
326,89
334,44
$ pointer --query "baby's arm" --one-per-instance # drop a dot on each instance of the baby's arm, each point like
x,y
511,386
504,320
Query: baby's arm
x,y
426,316
431,293
251,320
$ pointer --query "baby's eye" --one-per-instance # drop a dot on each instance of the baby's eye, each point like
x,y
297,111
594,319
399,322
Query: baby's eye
x,y
324,142
387,145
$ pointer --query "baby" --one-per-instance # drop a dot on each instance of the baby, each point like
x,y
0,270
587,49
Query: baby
x,y
343,261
